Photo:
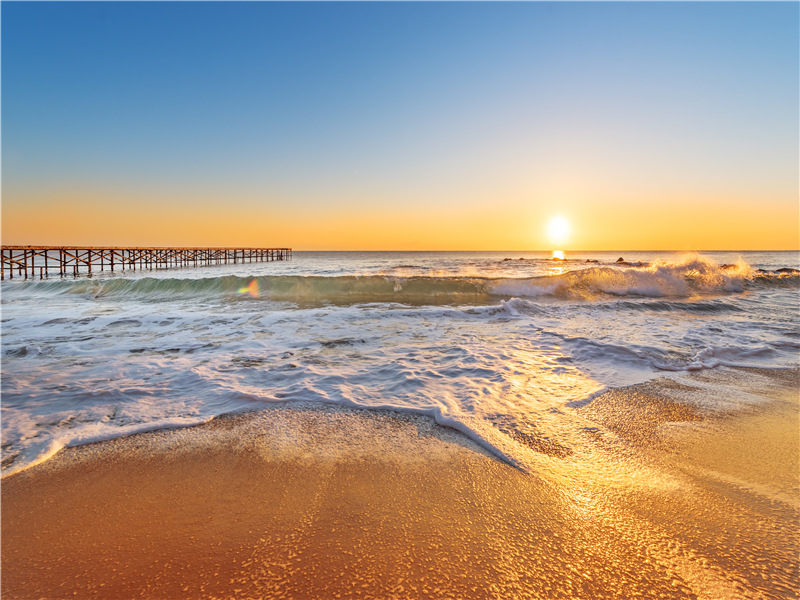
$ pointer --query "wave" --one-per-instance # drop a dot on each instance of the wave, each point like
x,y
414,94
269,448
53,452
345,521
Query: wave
x,y
698,307
692,277
684,279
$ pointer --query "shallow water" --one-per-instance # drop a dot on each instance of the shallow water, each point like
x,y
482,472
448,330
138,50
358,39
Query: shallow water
x,y
655,500
505,347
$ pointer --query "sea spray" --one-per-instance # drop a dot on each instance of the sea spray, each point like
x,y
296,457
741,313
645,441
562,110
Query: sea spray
x,y
694,276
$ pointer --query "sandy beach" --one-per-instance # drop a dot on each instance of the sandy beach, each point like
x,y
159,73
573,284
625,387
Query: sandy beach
x,y
303,501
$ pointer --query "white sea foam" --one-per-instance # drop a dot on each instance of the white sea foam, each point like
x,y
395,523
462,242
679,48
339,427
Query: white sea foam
x,y
500,356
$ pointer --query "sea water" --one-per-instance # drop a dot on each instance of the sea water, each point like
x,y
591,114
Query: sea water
x,y
501,346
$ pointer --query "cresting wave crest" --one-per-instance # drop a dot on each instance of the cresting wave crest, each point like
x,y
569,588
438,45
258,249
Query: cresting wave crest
x,y
695,276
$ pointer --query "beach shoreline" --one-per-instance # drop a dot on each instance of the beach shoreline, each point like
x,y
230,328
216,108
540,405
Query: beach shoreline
x,y
309,501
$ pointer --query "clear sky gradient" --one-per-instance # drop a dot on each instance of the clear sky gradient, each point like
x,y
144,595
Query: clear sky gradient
x,y
462,126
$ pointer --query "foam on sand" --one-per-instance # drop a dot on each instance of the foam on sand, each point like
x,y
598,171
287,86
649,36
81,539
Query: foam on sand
x,y
310,500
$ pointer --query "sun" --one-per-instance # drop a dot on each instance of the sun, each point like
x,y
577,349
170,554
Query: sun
x,y
558,230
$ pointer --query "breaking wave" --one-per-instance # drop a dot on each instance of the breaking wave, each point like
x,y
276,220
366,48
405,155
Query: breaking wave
x,y
692,277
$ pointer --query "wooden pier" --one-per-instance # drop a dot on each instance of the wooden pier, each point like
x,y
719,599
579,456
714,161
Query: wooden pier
x,y
30,261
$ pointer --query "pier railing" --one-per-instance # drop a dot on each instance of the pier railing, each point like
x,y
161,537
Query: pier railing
x,y
30,261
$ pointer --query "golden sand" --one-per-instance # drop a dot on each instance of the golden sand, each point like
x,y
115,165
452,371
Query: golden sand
x,y
301,502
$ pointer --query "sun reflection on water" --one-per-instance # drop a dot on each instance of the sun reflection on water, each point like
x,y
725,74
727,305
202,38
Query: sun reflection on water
x,y
557,268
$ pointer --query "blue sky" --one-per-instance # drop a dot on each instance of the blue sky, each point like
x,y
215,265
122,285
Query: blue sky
x,y
377,113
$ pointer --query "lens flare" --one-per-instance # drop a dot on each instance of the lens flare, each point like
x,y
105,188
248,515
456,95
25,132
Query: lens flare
x,y
251,289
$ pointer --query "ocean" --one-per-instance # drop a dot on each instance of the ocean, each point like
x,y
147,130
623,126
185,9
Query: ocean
x,y
505,347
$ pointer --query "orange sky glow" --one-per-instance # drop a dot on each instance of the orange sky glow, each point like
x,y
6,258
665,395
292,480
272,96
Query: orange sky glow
x,y
647,126
594,225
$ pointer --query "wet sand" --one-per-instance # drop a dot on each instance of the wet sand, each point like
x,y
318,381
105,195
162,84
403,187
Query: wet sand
x,y
661,499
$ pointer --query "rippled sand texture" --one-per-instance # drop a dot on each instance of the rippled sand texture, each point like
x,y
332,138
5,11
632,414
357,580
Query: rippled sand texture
x,y
659,500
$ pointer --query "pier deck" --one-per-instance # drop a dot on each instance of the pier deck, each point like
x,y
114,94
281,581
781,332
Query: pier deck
x,y
29,261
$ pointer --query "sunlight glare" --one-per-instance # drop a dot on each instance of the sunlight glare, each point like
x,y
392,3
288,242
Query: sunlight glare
x,y
558,230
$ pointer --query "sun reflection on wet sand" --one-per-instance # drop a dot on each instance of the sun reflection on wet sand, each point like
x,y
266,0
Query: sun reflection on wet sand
x,y
303,501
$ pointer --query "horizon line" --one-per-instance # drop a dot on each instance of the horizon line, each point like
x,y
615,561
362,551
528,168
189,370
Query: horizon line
x,y
295,249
